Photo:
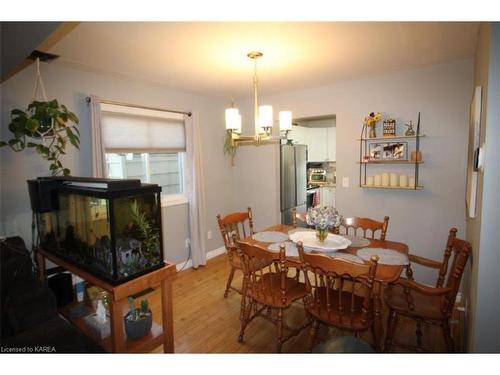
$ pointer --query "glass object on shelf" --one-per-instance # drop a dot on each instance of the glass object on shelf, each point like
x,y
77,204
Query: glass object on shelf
x,y
410,132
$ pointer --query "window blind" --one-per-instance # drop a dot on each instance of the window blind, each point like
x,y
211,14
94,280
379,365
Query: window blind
x,y
130,129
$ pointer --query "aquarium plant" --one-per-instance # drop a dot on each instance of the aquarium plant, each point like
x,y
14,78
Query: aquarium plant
x,y
146,231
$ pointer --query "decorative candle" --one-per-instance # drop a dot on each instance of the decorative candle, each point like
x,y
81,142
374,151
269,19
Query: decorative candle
x,y
378,180
411,182
403,180
394,179
385,179
369,181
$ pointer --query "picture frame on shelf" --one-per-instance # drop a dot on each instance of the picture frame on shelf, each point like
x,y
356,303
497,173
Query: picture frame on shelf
x,y
387,151
389,128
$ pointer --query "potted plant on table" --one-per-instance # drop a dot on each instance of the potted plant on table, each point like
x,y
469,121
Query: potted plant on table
x,y
138,322
323,219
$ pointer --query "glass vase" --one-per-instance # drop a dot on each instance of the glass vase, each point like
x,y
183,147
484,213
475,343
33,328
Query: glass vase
x,y
321,234
372,133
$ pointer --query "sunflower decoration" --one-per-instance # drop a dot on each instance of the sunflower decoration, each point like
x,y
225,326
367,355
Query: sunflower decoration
x,y
370,123
372,118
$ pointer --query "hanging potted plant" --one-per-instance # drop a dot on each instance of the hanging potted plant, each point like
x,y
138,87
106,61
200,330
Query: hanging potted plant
x,y
45,126
230,147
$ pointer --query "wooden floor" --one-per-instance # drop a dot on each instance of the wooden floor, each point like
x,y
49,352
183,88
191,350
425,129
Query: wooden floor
x,y
205,322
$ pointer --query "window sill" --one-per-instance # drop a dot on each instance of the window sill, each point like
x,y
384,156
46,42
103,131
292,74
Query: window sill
x,y
173,200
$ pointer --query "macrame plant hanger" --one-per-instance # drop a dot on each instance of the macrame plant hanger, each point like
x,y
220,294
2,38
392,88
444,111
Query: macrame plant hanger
x,y
38,82
35,220
40,86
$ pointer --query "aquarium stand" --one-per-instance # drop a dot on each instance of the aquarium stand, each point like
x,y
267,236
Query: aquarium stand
x,y
117,342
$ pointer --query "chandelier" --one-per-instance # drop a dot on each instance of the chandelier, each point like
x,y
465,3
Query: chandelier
x,y
263,118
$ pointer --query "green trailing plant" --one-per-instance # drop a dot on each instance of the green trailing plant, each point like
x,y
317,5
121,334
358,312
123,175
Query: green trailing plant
x,y
149,235
47,127
135,313
230,147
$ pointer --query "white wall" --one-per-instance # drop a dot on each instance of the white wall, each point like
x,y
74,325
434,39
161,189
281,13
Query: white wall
x,y
483,233
421,219
441,93
70,87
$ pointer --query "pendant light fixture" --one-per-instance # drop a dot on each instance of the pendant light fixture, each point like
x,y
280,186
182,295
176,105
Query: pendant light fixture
x,y
263,117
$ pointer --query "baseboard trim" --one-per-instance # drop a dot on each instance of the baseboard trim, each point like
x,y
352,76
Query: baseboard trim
x,y
211,254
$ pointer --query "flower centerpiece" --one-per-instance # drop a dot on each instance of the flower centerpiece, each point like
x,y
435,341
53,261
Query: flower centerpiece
x,y
323,219
371,121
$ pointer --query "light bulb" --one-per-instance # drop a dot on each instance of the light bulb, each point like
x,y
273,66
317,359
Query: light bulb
x,y
285,120
232,118
265,116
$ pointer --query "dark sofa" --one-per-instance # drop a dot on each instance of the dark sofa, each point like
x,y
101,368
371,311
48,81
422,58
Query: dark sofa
x,y
29,319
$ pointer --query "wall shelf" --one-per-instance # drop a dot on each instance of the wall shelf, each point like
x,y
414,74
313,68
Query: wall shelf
x,y
391,137
364,143
389,162
392,187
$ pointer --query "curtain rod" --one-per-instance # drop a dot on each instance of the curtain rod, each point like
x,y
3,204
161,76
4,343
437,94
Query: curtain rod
x,y
87,99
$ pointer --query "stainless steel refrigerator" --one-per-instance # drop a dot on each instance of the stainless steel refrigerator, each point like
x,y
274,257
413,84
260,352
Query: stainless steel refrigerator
x,y
293,170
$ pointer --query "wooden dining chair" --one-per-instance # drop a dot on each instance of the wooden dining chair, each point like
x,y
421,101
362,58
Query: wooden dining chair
x,y
298,216
339,293
368,227
269,290
425,304
239,224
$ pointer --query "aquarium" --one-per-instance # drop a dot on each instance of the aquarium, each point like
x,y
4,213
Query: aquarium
x,y
113,232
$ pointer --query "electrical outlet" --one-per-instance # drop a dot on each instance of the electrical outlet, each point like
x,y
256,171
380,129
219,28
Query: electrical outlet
x,y
345,182
209,235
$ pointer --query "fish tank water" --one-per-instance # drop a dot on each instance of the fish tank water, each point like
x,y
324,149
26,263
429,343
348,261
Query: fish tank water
x,y
115,234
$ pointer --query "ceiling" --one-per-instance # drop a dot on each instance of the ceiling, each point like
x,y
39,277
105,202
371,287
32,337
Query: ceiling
x,y
18,40
209,58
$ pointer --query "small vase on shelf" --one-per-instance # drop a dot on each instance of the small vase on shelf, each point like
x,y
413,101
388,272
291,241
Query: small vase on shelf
x,y
372,133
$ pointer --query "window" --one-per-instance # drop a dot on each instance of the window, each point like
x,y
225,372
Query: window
x,y
145,144
165,169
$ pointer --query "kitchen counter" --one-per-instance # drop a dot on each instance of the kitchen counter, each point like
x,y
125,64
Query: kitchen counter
x,y
321,184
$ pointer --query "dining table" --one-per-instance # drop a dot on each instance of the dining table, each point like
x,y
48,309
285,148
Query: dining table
x,y
385,274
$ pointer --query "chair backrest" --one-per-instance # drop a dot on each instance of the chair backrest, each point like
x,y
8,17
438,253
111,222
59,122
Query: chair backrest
x,y
365,226
452,274
239,223
265,271
343,284
298,216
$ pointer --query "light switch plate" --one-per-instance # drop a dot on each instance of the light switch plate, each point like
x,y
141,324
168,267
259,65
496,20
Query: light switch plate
x,y
345,182
209,235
